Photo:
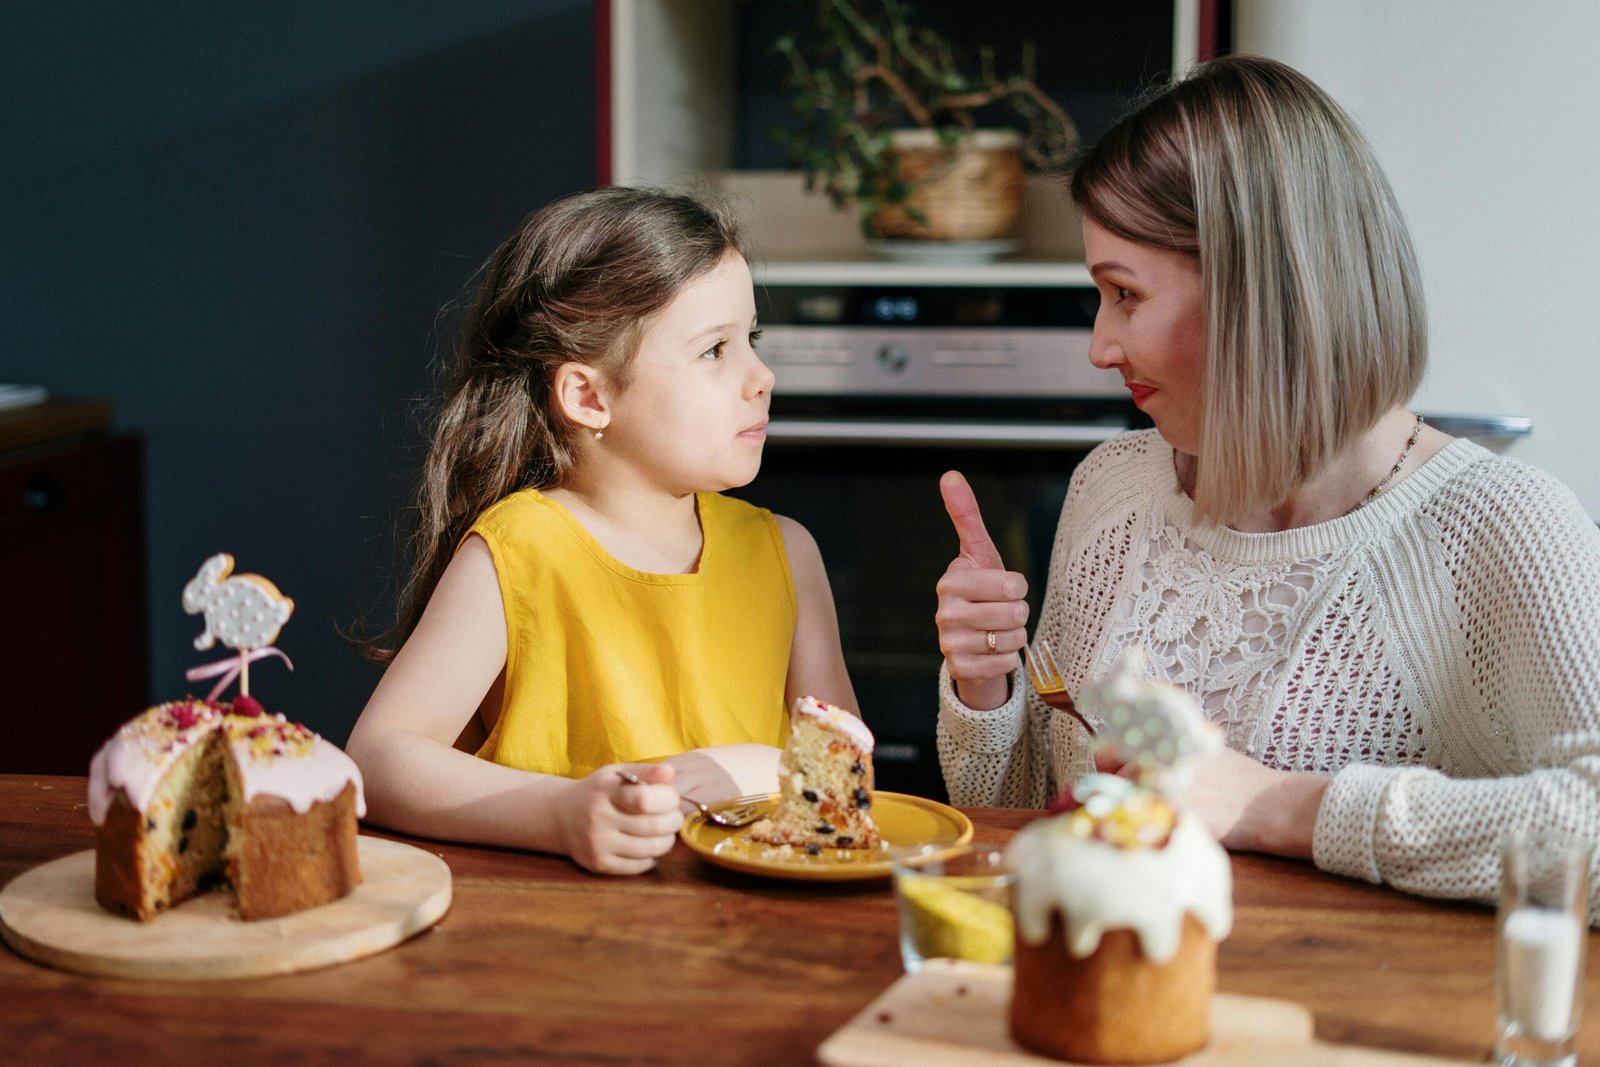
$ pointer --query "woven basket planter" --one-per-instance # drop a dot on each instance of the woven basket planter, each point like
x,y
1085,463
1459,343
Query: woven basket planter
x,y
970,193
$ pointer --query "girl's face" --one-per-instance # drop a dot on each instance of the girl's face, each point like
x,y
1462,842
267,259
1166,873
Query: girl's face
x,y
1151,327
694,416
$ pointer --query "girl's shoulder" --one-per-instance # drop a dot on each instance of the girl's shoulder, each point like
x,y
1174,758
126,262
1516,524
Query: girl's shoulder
x,y
514,512
730,510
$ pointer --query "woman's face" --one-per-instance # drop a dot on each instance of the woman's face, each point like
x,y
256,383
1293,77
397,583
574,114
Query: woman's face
x,y
1151,327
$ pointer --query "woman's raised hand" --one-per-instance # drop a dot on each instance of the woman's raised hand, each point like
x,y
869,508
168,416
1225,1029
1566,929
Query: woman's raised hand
x,y
613,826
982,616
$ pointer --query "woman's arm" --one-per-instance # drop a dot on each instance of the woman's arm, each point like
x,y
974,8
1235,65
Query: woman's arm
x,y
417,782
1502,639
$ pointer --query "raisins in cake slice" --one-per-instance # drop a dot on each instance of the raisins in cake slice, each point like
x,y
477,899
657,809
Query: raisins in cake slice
x,y
189,819
863,798
825,828
809,794
845,841
858,769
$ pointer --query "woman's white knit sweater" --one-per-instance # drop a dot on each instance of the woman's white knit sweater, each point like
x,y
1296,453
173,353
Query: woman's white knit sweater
x,y
1436,651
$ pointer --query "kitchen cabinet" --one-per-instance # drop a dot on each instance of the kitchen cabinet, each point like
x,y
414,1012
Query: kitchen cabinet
x,y
74,649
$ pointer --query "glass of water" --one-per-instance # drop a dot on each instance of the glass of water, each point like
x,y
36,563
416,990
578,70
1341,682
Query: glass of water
x,y
1542,931
955,902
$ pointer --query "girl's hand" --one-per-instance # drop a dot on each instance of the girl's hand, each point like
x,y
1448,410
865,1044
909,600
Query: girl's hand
x,y
1247,806
982,617
614,827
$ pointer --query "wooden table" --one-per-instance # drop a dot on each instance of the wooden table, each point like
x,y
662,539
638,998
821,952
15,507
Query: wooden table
x,y
540,962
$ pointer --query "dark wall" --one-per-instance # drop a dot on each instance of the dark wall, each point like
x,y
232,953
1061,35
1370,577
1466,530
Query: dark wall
x,y
239,223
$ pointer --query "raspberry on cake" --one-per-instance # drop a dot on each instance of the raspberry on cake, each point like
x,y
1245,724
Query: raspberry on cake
x,y
824,782
1121,897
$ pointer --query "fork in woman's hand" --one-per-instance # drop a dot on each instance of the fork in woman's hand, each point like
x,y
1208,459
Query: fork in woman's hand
x,y
1048,683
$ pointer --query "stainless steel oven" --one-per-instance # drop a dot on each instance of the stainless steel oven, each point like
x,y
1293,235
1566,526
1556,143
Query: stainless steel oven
x,y
880,389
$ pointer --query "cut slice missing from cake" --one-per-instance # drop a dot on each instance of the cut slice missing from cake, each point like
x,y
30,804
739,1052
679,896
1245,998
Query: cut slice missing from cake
x,y
193,793
824,782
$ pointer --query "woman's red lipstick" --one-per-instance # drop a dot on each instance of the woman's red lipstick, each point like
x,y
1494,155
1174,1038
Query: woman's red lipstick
x,y
1141,393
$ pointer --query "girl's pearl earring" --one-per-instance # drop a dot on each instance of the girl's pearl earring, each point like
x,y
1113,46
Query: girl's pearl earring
x,y
599,434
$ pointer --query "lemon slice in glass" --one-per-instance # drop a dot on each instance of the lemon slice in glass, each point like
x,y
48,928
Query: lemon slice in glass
x,y
945,918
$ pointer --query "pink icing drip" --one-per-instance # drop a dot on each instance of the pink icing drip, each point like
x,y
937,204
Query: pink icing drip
x,y
838,718
139,754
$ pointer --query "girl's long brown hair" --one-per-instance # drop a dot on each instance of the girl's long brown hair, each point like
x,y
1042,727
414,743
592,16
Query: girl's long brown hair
x,y
573,283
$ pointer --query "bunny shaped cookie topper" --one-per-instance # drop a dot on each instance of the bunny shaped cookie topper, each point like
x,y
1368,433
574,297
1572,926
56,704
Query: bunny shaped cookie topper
x,y
1155,726
243,611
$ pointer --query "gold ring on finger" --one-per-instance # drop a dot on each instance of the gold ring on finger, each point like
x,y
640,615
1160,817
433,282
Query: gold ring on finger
x,y
988,637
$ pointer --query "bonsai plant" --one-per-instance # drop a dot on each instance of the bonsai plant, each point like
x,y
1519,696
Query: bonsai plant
x,y
890,120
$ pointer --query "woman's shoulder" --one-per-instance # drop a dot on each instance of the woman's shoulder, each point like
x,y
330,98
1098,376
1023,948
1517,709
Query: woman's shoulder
x,y
1128,460
1492,499
1492,480
1127,451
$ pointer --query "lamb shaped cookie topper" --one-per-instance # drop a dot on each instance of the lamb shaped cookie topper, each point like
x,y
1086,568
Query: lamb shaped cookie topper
x,y
244,612
1155,726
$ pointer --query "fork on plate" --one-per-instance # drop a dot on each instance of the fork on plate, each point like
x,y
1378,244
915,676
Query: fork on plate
x,y
736,813
1048,683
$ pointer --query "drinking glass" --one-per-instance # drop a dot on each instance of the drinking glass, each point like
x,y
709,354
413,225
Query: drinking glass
x,y
955,902
1542,930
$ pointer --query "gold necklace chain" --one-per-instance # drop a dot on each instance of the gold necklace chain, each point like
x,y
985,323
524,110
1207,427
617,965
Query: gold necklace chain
x,y
1416,431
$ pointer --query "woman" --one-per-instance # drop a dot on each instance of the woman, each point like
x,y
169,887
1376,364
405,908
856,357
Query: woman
x,y
1398,632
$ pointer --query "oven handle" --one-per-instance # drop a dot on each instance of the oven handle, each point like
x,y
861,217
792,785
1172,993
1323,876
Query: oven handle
x,y
911,434
916,433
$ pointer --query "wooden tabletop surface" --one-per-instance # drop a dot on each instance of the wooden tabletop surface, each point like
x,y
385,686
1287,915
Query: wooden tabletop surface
x,y
539,962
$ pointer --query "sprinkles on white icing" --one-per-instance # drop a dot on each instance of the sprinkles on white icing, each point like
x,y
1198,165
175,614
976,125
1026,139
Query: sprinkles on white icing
x,y
838,718
244,611
1119,855
274,757
1096,887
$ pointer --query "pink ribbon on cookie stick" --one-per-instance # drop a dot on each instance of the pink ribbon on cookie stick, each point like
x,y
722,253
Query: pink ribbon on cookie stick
x,y
229,668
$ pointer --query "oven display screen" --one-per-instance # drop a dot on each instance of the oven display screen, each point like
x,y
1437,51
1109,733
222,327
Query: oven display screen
x,y
805,305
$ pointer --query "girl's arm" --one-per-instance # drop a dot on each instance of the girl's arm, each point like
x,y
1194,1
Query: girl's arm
x,y
816,663
417,782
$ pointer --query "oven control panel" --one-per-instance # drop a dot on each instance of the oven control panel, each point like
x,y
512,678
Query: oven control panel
x,y
932,341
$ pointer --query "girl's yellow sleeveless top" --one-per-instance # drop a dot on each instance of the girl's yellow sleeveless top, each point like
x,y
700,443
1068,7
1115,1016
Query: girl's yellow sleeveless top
x,y
608,664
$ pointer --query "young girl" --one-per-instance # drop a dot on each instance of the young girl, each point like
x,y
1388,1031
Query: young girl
x,y
583,601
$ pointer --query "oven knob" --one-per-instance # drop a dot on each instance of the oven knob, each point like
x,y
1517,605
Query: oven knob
x,y
893,358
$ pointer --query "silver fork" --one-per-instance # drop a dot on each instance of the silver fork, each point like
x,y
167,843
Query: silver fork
x,y
742,812
1048,683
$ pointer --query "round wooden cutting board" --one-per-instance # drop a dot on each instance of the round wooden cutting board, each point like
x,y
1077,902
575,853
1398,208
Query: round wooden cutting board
x,y
49,914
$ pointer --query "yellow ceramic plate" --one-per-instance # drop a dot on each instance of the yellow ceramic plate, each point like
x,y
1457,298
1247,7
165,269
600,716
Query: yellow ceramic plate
x,y
902,820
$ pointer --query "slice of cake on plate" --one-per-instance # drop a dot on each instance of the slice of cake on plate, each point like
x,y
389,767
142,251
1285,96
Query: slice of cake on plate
x,y
824,782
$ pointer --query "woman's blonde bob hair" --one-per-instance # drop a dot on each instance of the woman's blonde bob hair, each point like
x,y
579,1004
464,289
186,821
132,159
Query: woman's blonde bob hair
x,y
1315,325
